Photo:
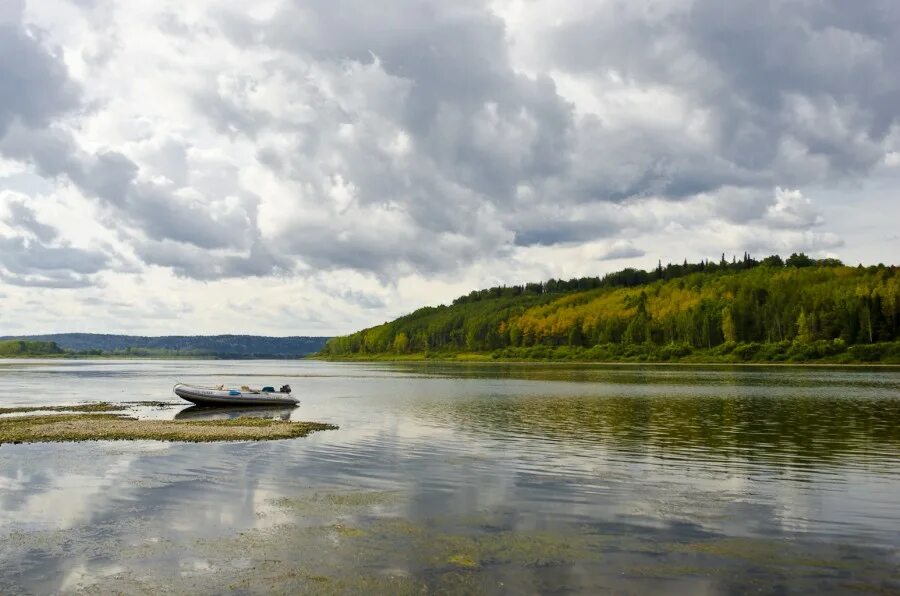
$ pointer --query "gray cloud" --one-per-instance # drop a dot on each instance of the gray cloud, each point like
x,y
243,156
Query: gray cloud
x,y
40,92
404,138
562,231
112,177
22,216
27,262
485,126
621,250
479,130
34,85
190,261
794,92
33,256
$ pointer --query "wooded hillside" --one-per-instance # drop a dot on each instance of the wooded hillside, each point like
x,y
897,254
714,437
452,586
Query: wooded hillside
x,y
766,310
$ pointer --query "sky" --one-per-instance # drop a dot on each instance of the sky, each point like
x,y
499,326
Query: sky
x,y
312,167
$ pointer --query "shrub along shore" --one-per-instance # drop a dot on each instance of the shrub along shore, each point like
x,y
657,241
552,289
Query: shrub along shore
x,y
820,352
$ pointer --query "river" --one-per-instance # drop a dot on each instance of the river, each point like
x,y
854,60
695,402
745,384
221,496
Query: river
x,y
482,478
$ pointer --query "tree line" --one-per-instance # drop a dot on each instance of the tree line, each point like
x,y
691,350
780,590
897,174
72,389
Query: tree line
x,y
797,308
19,347
221,346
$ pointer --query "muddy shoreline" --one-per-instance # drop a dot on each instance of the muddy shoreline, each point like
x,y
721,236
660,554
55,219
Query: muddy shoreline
x,y
103,422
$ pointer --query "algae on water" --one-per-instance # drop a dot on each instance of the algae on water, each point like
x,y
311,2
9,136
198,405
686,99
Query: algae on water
x,y
94,407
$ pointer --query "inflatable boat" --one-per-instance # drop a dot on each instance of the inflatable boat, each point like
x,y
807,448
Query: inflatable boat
x,y
218,396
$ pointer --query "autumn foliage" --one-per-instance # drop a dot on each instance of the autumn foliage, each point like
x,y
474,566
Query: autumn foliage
x,y
676,310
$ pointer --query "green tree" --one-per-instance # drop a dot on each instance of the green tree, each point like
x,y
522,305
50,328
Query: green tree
x,y
799,260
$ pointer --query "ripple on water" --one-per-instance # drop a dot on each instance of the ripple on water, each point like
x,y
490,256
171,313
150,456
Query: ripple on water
x,y
672,478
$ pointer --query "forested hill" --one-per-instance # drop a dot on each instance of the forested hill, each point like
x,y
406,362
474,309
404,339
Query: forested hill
x,y
221,346
744,310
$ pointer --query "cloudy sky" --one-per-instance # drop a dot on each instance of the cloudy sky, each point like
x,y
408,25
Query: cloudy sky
x,y
316,166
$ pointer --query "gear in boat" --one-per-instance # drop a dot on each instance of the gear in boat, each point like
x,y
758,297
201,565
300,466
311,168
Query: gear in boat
x,y
220,396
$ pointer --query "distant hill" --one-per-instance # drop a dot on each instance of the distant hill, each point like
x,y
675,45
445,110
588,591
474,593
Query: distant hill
x,y
220,346
794,310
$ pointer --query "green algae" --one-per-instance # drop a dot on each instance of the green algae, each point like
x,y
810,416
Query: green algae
x,y
361,499
93,407
509,547
335,503
348,531
403,556
463,560
103,427
666,571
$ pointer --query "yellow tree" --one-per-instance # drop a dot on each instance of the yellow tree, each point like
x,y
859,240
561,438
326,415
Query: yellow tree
x,y
401,342
804,333
728,331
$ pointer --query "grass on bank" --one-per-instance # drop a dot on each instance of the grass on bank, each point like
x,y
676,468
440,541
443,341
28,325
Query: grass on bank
x,y
104,427
818,352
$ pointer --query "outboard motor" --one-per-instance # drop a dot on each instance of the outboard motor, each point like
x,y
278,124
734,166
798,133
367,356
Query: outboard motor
x,y
285,389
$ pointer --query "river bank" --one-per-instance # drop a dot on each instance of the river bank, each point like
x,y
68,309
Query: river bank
x,y
783,353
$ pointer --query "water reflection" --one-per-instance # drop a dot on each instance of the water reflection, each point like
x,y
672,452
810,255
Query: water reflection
x,y
799,431
207,413
486,479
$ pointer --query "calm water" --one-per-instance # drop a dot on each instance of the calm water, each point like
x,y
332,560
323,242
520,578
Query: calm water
x,y
482,478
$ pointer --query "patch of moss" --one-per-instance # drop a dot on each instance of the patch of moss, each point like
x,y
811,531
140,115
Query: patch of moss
x,y
335,503
94,407
508,547
463,560
749,549
361,498
103,427
348,532
666,571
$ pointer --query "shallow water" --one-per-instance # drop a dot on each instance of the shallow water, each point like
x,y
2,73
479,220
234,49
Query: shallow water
x,y
467,478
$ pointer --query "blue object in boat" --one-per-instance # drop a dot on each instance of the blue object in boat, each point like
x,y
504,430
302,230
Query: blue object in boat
x,y
234,392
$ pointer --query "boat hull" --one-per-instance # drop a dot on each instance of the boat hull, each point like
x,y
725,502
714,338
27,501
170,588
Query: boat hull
x,y
218,398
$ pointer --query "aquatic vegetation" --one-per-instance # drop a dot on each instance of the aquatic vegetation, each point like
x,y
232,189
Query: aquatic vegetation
x,y
95,407
335,503
348,531
407,556
463,560
99,427
361,499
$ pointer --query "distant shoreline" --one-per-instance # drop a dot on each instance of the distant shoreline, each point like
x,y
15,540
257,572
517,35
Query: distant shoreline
x,y
486,359
133,357
465,359
168,347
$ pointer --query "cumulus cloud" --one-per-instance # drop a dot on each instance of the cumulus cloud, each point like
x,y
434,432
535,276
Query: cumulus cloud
x,y
20,215
32,255
792,210
432,142
793,90
34,84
